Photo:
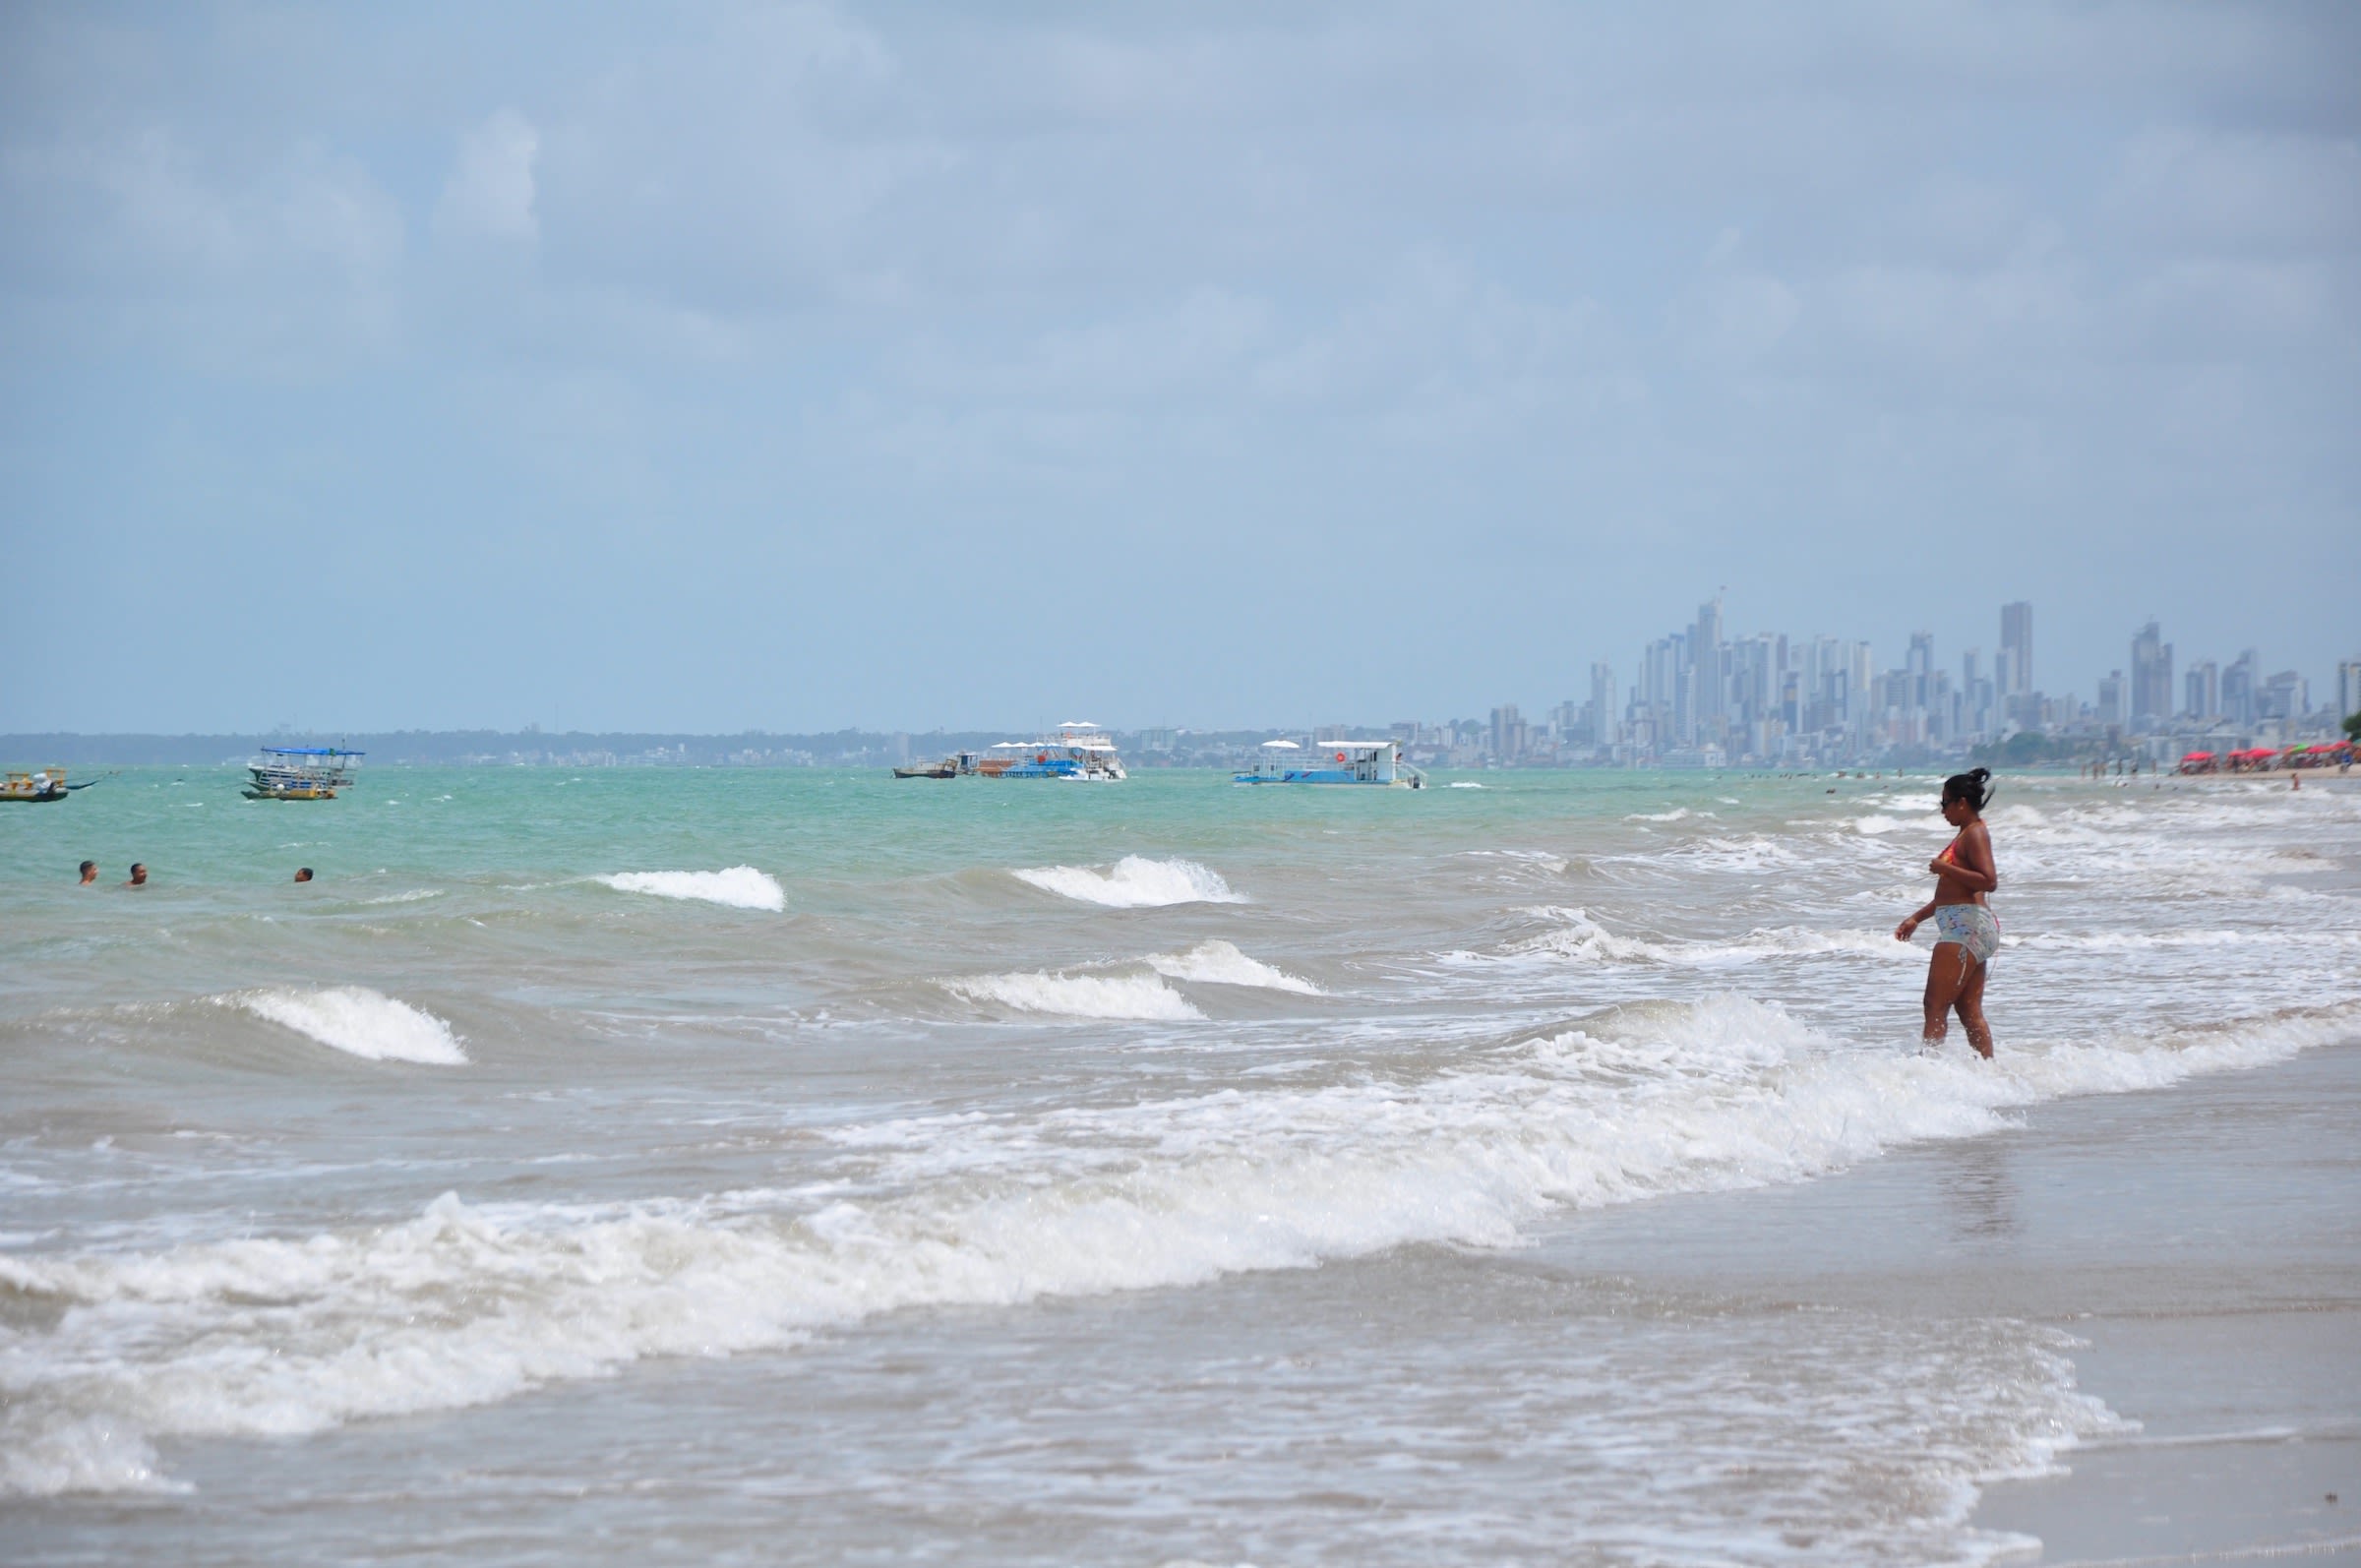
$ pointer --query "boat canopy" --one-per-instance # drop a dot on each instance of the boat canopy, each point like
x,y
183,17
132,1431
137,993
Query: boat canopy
x,y
1355,745
1280,745
309,750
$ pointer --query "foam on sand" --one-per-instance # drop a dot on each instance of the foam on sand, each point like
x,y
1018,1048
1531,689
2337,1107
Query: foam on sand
x,y
1135,883
357,1021
462,1305
1141,998
740,886
1218,963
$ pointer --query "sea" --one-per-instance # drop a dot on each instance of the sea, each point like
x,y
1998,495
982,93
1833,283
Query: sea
x,y
671,1165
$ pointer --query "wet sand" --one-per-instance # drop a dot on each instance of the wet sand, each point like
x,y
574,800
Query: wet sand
x,y
2204,1241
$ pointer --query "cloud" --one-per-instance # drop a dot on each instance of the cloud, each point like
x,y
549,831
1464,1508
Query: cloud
x,y
490,192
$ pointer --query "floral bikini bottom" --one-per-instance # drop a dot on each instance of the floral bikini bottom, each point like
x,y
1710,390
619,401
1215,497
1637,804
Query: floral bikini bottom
x,y
1971,926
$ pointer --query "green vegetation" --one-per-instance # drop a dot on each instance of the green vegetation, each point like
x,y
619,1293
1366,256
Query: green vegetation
x,y
2030,749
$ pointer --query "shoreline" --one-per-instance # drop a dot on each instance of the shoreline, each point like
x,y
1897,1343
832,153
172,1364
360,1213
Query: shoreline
x,y
2202,1242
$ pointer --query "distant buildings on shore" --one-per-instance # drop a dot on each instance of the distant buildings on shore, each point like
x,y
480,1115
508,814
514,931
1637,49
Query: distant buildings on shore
x,y
1702,698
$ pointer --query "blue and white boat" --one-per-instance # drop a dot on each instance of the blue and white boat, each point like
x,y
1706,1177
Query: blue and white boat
x,y
1080,751
1333,762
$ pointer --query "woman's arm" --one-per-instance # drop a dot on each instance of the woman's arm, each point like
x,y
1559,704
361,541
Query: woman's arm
x,y
1971,864
1912,922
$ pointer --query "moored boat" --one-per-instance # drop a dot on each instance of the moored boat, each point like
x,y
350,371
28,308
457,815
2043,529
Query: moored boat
x,y
1079,750
948,767
1378,762
38,786
301,773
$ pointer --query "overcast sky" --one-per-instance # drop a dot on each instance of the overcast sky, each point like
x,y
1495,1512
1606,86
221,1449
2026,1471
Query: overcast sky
x,y
726,366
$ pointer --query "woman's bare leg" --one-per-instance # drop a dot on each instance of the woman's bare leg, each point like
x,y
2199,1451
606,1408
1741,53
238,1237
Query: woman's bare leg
x,y
1946,974
1971,1006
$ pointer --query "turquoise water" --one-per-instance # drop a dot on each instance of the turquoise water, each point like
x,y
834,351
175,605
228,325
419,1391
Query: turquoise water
x,y
1000,1170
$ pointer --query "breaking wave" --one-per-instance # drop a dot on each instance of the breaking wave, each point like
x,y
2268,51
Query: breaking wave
x,y
467,1304
1218,963
1141,998
1135,883
1576,935
357,1021
740,886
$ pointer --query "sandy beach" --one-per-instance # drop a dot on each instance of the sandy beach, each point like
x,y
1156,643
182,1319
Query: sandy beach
x,y
2204,1244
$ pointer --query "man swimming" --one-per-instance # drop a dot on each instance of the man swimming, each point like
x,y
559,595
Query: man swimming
x,y
1967,934
139,876
89,873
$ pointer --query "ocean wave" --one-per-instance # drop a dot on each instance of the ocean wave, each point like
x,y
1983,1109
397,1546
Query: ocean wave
x,y
1142,998
463,1305
357,1021
1576,935
1135,883
1218,963
740,886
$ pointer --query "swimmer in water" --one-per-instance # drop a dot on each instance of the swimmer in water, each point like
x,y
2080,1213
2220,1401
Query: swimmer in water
x,y
139,876
89,873
1968,935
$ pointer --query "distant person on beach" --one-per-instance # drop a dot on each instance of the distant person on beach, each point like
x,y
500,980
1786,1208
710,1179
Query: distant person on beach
x,y
89,873
303,873
1967,934
139,876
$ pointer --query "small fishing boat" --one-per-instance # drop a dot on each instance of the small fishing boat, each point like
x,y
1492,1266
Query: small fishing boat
x,y
43,786
1376,762
1079,750
301,773
948,767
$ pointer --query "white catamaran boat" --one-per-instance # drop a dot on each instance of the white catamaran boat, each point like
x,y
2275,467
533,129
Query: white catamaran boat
x,y
1080,750
1332,762
301,773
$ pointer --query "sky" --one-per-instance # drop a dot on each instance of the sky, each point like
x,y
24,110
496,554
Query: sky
x,y
723,367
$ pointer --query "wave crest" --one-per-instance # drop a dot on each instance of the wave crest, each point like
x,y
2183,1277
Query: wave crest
x,y
1139,997
1218,963
1135,883
740,886
357,1021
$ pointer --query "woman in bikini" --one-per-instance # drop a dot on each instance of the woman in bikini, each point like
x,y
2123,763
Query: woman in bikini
x,y
1967,934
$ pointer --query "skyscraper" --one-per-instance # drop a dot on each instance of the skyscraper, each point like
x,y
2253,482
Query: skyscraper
x,y
2013,670
2238,684
1604,728
2203,688
2348,688
2151,680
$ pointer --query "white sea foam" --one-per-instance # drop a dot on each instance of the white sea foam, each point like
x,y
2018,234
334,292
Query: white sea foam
x,y
462,1305
1218,963
1115,997
1875,826
740,886
357,1021
1135,883
1466,784
1576,935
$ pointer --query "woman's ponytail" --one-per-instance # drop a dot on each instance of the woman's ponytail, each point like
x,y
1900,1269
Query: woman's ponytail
x,y
1973,786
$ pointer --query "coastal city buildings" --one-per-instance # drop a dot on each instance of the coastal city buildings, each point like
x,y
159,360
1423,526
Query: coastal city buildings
x,y
1702,696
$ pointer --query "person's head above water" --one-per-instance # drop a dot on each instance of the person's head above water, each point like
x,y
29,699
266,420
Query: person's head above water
x,y
139,876
1966,794
89,872
303,873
